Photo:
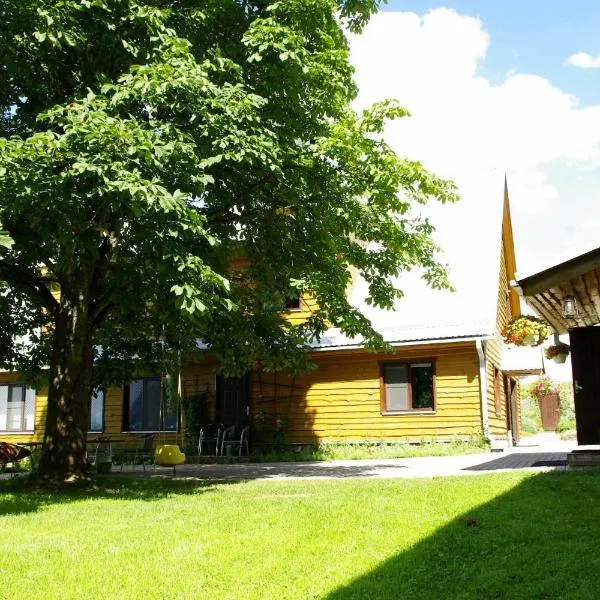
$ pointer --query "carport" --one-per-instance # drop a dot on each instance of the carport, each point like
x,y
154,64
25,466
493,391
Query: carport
x,y
567,296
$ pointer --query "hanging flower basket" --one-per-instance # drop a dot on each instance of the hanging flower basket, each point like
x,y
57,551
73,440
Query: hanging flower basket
x,y
526,331
558,352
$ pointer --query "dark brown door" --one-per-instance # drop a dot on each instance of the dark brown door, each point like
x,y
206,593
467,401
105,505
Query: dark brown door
x,y
585,361
232,399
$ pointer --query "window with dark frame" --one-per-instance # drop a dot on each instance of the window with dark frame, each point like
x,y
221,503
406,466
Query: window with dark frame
x,y
407,387
146,406
97,411
293,303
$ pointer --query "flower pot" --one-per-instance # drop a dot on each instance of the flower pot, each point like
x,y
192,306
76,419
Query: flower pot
x,y
559,358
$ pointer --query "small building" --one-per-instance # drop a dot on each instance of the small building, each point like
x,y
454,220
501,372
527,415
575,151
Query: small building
x,y
567,296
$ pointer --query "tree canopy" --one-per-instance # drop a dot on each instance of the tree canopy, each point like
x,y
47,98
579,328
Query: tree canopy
x,y
173,171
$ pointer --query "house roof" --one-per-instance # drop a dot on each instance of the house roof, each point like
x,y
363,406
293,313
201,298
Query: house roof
x,y
470,234
578,277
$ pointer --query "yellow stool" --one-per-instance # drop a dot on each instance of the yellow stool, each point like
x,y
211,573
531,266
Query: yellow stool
x,y
169,455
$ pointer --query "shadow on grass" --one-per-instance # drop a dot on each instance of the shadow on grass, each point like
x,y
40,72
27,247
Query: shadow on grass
x,y
24,495
540,540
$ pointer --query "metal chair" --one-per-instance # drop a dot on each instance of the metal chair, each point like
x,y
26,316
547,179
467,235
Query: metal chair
x,y
210,434
102,455
141,453
235,437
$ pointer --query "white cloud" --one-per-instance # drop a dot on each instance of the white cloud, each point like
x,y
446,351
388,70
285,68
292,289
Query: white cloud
x,y
583,60
462,122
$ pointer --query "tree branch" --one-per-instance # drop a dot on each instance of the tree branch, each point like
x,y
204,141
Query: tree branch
x,y
31,284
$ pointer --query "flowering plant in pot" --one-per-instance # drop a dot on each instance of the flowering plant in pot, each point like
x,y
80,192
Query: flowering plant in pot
x,y
526,331
557,352
544,386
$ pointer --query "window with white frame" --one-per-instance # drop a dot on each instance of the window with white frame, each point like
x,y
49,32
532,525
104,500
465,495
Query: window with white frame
x,y
17,408
97,411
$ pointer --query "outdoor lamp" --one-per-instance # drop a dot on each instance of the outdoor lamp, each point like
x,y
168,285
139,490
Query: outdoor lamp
x,y
569,307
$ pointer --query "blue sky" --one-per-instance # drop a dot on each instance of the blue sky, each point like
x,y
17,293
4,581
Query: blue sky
x,y
532,36
489,87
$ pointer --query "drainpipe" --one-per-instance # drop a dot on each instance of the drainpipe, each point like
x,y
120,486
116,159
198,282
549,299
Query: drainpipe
x,y
485,419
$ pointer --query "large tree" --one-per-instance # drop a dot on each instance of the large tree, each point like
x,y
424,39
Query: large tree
x,y
173,170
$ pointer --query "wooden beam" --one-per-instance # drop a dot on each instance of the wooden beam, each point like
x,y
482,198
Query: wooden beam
x,y
543,307
584,301
559,274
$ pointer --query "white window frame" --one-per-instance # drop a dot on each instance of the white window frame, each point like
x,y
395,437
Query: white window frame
x,y
28,408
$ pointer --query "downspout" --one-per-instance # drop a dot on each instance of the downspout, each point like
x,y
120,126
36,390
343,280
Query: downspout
x,y
485,418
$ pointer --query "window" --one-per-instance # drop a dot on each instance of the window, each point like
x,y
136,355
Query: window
x,y
146,406
497,392
17,408
97,411
407,387
293,303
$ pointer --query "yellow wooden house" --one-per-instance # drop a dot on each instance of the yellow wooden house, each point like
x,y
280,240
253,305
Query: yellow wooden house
x,y
447,375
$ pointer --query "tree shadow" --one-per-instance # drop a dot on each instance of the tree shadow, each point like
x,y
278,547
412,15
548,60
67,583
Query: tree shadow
x,y
23,494
539,540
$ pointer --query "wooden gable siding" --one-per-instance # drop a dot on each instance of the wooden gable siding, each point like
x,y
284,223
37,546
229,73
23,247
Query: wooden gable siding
x,y
341,400
297,316
507,308
41,403
493,351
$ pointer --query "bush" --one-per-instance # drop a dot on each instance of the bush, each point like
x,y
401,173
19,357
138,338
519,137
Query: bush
x,y
531,420
195,409
566,424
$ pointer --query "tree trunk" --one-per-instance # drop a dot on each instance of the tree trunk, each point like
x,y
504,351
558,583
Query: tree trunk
x,y
64,456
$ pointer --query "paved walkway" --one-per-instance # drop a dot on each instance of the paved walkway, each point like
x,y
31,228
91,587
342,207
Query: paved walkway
x,y
543,452
539,453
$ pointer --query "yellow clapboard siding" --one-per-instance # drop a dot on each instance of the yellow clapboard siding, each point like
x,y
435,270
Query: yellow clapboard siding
x,y
340,400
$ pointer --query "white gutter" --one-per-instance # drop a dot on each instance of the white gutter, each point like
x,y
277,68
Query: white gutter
x,y
421,342
485,418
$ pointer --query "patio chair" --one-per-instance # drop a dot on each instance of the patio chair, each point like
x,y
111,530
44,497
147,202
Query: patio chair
x,y
101,456
141,453
235,437
210,435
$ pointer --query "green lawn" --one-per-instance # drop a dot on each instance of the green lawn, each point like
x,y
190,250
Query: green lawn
x,y
510,535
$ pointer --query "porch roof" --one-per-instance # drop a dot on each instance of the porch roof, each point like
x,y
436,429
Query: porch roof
x,y
578,277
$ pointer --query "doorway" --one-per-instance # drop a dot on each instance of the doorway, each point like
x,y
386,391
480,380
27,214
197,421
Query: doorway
x,y
232,399
585,364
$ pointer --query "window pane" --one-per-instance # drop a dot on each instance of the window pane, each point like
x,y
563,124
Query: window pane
x,y
421,376
397,396
152,405
396,387
136,402
97,410
15,408
395,373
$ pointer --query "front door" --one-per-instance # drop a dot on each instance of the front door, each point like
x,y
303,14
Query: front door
x,y
232,399
585,363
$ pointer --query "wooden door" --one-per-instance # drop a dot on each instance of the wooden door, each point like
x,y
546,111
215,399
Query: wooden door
x,y
585,361
232,399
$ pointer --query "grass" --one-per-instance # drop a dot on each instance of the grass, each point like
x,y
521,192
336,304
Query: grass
x,y
513,535
360,451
